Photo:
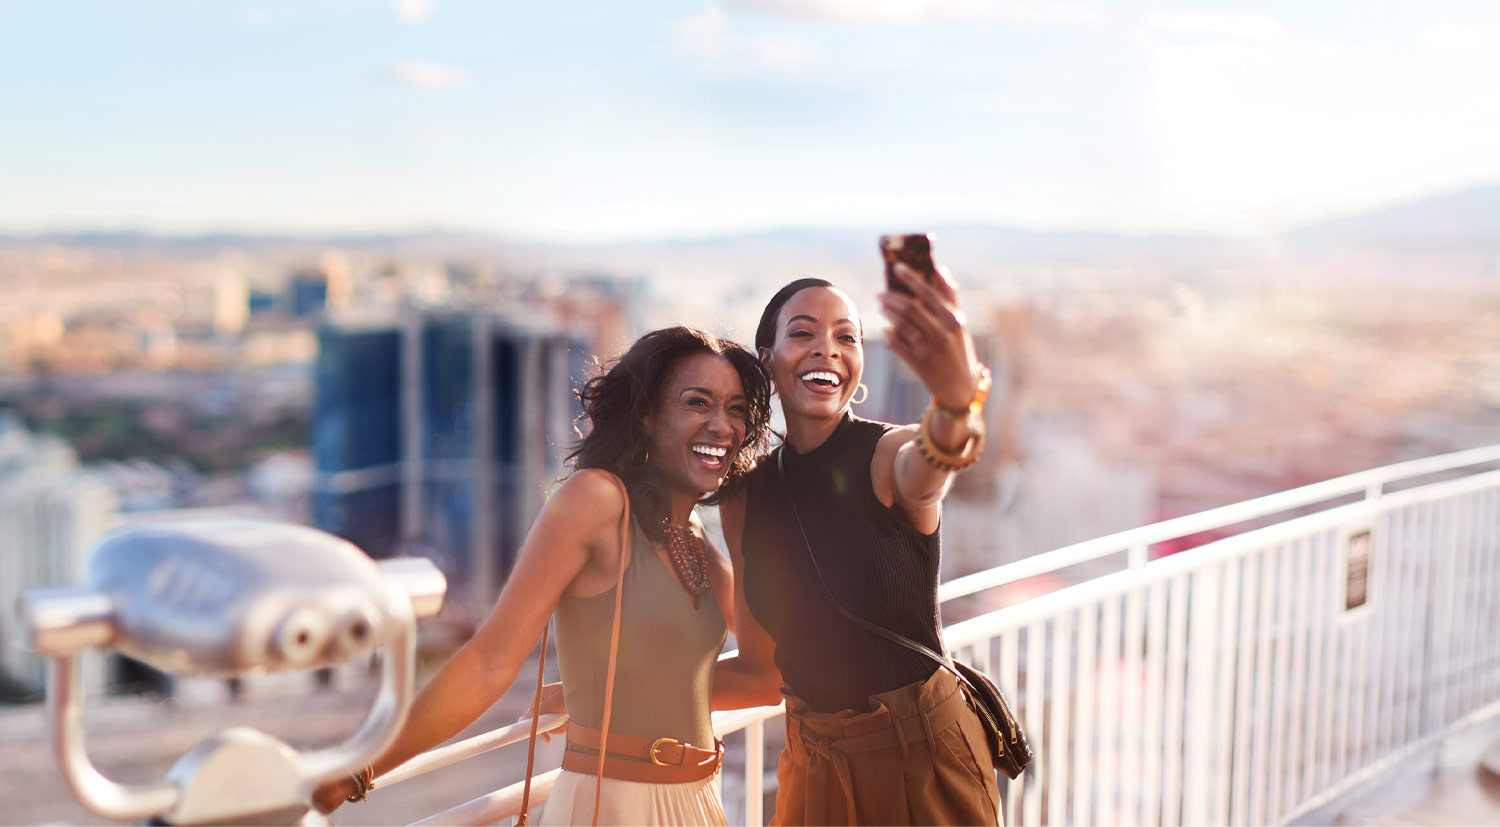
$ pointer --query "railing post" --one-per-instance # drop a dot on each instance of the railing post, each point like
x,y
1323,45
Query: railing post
x,y
755,768
1202,666
1437,666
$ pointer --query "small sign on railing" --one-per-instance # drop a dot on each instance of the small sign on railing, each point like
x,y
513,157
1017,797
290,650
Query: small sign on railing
x,y
1357,550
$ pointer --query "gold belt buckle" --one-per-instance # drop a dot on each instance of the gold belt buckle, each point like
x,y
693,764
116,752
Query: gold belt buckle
x,y
658,744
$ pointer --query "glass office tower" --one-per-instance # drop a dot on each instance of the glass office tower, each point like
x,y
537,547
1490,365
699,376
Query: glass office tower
x,y
440,434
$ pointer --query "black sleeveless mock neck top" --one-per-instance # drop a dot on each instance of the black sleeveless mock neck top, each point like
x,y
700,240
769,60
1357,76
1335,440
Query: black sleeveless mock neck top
x,y
878,566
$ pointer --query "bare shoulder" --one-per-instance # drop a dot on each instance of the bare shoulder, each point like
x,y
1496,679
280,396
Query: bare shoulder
x,y
897,436
883,463
589,496
890,443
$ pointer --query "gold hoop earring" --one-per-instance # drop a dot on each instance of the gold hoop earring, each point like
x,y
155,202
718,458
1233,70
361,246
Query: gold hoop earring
x,y
860,387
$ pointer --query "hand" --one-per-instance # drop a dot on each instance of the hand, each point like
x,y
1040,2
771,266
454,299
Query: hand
x,y
332,794
931,335
552,702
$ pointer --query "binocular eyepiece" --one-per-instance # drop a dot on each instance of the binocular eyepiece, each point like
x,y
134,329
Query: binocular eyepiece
x,y
230,598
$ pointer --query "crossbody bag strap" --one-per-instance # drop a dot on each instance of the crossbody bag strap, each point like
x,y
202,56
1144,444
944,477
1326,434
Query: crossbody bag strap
x,y
614,644
852,617
536,708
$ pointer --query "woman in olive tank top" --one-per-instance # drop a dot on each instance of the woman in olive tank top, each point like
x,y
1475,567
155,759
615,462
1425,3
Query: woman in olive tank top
x,y
675,418
849,508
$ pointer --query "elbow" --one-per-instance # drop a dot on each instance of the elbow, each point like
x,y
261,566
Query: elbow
x,y
928,495
766,690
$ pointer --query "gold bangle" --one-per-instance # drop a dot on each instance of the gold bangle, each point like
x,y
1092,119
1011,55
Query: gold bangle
x,y
948,461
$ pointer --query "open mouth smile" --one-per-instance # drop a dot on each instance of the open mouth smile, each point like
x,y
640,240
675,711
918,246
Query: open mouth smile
x,y
712,456
822,381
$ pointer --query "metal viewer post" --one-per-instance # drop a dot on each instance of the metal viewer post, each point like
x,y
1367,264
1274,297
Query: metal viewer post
x,y
230,597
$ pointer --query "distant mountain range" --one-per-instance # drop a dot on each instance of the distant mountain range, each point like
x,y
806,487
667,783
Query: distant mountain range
x,y
1468,219
1464,224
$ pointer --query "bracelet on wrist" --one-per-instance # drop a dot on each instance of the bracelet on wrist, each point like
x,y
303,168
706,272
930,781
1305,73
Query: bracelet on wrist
x,y
976,404
364,782
948,461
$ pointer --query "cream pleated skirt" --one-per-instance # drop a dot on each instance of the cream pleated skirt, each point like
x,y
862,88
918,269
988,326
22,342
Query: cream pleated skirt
x,y
691,804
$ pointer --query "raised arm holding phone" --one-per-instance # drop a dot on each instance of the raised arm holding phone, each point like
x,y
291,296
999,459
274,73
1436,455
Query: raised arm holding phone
x,y
838,531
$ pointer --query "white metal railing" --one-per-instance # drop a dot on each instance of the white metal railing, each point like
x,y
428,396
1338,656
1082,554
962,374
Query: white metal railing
x,y
1227,684
505,802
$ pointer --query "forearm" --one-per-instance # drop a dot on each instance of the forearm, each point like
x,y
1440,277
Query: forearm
x,y
739,683
461,691
918,483
924,473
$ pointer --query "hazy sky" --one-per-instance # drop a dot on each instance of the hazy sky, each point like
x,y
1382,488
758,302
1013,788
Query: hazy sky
x,y
583,120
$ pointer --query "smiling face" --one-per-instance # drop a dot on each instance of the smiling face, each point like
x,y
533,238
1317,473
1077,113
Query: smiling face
x,y
818,355
696,425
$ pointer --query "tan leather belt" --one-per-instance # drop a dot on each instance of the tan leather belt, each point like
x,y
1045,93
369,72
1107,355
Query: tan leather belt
x,y
662,761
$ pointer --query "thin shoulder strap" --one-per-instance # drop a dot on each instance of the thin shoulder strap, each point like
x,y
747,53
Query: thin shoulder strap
x,y
536,709
852,617
609,680
626,540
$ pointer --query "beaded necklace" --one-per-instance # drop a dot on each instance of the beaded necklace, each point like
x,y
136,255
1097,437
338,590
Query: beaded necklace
x,y
685,551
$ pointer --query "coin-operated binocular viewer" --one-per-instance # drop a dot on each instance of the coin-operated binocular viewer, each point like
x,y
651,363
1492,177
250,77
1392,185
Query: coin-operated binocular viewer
x,y
231,598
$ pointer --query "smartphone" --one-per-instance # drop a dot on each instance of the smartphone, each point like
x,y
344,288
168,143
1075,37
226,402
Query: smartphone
x,y
913,250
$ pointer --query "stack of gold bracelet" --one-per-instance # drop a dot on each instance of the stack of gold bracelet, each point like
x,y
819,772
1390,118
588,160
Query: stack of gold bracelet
x,y
969,454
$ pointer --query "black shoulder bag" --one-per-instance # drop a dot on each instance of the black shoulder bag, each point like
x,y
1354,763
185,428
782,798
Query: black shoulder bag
x,y
1012,753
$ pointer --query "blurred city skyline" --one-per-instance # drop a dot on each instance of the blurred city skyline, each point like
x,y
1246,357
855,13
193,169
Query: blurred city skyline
x,y
341,263
599,122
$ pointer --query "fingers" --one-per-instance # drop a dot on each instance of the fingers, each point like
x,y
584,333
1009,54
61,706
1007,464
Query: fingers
x,y
941,294
916,342
552,702
929,333
916,321
945,287
902,349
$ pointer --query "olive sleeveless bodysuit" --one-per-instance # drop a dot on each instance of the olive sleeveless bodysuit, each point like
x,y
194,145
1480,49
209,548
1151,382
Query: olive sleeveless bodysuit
x,y
668,648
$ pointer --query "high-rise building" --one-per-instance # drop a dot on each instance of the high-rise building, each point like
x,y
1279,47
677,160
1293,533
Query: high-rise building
x,y
307,294
51,513
439,433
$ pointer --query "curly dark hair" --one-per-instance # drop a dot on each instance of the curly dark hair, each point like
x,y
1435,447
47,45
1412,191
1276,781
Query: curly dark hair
x,y
615,403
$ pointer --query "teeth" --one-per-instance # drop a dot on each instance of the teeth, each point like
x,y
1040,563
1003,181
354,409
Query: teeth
x,y
827,376
709,450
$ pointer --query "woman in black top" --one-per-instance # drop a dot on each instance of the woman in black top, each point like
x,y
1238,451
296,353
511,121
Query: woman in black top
x,y
876,733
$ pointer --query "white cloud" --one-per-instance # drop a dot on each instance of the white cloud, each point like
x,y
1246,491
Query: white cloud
x,y
425,74
781,52
706,36
413,11
1298,127
702,34
1238,26
910,11
256,17
1452,37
